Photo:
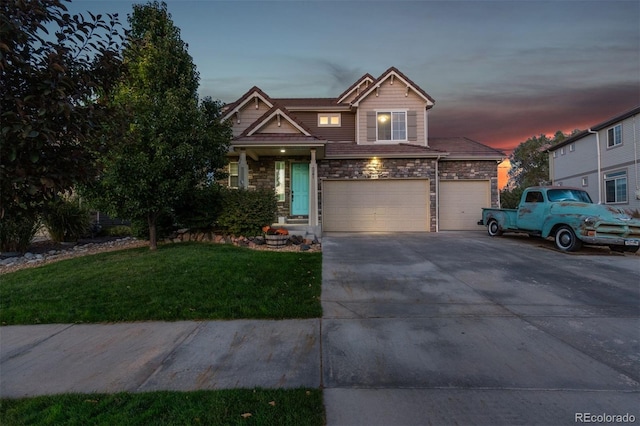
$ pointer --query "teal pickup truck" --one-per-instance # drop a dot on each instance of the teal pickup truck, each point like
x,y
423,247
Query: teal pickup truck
x,y
569,216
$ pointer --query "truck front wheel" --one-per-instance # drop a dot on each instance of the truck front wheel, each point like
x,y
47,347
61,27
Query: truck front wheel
x,y
493,228
566,239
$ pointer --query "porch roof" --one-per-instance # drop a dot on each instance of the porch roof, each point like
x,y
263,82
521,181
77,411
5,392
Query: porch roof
x,y
278,144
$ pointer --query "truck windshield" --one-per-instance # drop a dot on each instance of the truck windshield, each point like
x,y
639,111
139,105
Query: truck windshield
x,y
568,195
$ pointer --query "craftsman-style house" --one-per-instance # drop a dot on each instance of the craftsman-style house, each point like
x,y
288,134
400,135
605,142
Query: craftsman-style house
x,y
362,161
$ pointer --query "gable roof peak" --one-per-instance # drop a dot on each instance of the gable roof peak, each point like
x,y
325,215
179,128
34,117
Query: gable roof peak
x,y
365,79
389,73
280,112
254,92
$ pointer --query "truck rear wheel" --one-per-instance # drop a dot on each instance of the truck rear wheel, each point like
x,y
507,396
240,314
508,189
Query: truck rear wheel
x,y
493,228
566,239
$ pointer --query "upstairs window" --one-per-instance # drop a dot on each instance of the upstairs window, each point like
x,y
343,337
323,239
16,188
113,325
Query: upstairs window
x,y
615,187
329,120
614,136
392,126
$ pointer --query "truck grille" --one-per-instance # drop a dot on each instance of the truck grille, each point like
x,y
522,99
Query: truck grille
x,y
617,230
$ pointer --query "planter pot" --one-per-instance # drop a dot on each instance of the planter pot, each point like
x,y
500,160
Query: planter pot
x,y
276,240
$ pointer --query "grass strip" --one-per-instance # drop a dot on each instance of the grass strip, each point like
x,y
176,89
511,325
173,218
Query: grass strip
x,y
298,407
187,281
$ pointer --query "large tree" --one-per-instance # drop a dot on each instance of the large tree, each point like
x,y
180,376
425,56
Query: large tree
x,y
54,72
529,166
171,143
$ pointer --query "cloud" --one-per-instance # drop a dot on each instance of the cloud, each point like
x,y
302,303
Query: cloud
x,y
504,120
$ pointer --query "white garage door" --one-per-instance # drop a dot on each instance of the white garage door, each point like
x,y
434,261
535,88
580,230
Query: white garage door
x,y
375,205
461,203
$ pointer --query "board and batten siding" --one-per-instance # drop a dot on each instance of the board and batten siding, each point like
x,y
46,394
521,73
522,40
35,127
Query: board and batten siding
x,y
248,115
392,97
285,126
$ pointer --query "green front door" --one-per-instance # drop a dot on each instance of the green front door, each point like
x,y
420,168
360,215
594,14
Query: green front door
x,y
300,189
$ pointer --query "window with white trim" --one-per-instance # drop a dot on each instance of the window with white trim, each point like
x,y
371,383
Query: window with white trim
x,y
233,175
572,147
329,120
615,187
279,185
614,136
562,151
392,125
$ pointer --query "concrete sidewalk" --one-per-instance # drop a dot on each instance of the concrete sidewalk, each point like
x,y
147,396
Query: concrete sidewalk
x,y
429,329
149,356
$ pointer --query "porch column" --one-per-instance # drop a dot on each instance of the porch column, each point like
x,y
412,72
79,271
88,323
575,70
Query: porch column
x,y
243,170
313,190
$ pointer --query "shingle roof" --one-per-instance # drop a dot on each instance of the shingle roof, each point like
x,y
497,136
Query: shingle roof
x,y
277,138
228,109
358,82
261,121
464,147
611,121
353,150
387,74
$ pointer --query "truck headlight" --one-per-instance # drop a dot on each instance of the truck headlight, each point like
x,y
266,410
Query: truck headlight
x,y
590,221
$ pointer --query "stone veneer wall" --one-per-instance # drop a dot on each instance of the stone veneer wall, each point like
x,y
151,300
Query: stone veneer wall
x,y
472,169
262,176
383,168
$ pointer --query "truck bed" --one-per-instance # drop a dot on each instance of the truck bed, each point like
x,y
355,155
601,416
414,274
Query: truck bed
x,y
505,217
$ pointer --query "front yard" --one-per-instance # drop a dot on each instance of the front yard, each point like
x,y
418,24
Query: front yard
x,y
187,281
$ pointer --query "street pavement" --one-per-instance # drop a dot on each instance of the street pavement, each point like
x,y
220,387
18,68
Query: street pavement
x,y
446,328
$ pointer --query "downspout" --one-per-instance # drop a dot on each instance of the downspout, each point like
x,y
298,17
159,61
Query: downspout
x,y
437,195
599,166
635,157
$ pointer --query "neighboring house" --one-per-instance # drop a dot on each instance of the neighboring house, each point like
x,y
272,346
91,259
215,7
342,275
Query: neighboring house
x,y
603,160
363,161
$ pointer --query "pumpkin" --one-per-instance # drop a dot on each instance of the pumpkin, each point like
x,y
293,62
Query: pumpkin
x,y
282,231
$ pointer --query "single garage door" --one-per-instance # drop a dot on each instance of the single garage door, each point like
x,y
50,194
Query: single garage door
x,y
461,203
375,205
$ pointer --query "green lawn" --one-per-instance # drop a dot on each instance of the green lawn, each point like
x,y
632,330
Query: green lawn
x,y
187,281
225,407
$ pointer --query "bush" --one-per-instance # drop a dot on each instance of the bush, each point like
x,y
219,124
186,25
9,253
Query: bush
x,y
66,220
200,209
245,212
118,231
16,231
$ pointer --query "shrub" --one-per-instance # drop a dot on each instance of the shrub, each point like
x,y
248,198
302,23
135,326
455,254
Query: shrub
x,y
245,212
17,230
118,231
66,220
200,208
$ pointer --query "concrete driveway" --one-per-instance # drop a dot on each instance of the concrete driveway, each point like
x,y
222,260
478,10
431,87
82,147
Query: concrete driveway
x,y
461,328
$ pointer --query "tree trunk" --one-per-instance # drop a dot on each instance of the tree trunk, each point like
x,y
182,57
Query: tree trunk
x,y
153,238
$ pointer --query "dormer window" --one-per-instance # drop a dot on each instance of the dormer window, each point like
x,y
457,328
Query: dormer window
x,y
329,120
392,125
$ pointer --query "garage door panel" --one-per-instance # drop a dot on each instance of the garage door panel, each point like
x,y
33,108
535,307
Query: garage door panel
x,y
461,203
376,205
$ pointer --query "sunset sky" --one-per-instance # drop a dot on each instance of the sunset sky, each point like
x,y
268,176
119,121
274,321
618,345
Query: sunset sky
x,y
499,71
